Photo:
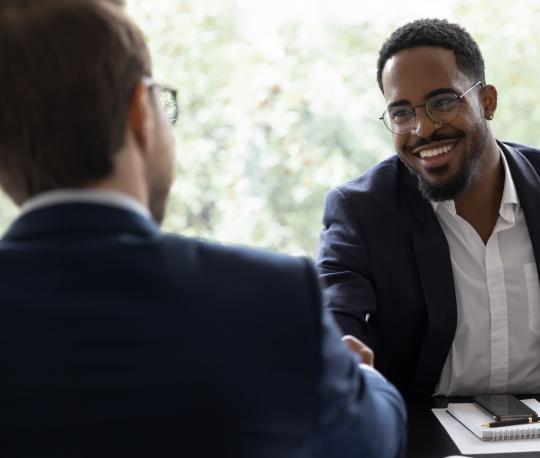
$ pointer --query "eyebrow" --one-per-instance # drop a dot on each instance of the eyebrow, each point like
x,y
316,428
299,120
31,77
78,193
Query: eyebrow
x,y
442,90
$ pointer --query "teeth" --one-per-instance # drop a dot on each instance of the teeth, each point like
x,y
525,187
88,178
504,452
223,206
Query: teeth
x,y
435,151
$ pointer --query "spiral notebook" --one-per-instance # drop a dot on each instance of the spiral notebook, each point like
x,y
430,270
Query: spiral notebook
x,y
473,418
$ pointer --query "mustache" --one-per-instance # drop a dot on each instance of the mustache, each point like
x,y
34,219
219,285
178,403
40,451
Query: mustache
x,y
436,137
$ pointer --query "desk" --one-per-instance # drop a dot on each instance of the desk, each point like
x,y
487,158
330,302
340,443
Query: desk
x,y
428,439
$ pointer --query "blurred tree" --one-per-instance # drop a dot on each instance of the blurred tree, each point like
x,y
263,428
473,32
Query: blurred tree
x,y
509,40
262,133
8,211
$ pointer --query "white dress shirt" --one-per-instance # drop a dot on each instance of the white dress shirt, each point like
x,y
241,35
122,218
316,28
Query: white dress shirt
x,y
96,196
496,347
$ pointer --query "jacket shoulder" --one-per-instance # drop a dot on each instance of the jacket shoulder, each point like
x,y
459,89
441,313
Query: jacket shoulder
x,y
247,271
530,152
210,253
381,176
376,191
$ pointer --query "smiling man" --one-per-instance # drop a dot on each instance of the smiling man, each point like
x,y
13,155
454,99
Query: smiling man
x,y
431,256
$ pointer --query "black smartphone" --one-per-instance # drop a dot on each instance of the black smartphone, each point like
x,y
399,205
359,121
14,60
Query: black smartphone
x,y
504,407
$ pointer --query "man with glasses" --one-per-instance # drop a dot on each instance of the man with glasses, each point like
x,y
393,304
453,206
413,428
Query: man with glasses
x,y
117,339
431,257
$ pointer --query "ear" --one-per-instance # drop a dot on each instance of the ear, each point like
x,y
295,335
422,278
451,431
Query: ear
x,y
489,101
139,116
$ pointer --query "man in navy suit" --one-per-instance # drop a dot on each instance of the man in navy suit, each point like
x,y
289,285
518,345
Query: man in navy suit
x,y
431,257
117,339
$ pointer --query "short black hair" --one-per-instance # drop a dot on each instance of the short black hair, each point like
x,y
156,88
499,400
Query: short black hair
x,y
435,32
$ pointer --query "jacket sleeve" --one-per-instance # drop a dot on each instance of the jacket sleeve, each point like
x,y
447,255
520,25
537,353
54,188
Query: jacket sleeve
x,y
361,414
343,267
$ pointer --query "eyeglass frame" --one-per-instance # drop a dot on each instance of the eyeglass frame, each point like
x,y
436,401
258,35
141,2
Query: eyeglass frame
x,y
151,83
459,98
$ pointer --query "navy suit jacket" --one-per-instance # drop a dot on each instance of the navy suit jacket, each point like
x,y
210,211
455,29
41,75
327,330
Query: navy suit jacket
x,y
118,340
386,263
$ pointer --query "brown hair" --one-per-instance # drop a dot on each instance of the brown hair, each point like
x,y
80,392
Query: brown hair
x,y
68,70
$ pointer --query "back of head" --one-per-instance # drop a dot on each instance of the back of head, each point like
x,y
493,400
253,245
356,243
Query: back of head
x,y
68,71
439,33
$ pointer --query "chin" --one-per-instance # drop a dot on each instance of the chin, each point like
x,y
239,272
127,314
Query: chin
x,y
449,190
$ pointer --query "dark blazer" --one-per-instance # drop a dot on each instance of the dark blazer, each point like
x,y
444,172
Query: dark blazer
x,y
118,340
386,263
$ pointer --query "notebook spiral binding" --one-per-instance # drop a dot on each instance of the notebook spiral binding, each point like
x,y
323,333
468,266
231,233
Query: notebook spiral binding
x,y
512,434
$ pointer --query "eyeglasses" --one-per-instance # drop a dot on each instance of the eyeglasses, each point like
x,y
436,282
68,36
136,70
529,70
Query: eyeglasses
x,y
167,98
441,108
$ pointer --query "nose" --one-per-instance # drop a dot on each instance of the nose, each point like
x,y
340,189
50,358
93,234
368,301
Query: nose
x,y
423,126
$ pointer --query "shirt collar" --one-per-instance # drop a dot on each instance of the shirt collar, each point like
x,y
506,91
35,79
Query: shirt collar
x,y
509,200
96,196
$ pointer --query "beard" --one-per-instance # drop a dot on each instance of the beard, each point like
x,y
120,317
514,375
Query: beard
x,y
466,175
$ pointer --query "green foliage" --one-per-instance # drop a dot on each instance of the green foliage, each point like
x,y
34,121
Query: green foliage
x,y
509,40
8,212
264,132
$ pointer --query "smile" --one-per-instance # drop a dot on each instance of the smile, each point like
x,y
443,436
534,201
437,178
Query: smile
x,y
435,151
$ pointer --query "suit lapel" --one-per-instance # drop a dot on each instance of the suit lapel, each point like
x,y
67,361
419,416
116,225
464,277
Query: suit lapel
x,y
437,281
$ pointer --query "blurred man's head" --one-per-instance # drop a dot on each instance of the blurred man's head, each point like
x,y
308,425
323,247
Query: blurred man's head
x,y
77,108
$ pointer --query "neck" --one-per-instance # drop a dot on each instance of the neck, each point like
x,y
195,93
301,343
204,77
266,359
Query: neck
x,y
127,177
480,204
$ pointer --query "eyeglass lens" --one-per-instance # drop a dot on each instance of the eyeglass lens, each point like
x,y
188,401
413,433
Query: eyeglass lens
x,y
440,108
168,101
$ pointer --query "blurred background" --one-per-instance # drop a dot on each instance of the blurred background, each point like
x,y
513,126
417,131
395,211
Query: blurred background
x,y
279,102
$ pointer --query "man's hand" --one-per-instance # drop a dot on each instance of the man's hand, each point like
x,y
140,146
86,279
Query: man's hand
x,y
360,348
